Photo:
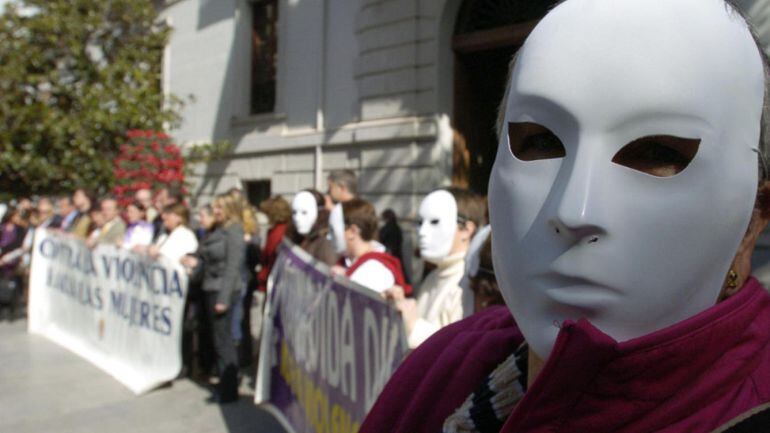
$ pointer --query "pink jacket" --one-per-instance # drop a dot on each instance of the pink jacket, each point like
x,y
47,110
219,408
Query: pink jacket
x,y
691,377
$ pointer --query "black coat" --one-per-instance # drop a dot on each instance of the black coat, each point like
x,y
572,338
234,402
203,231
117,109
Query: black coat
x,y
220,261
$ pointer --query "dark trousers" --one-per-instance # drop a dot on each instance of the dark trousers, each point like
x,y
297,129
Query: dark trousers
x,y
227,358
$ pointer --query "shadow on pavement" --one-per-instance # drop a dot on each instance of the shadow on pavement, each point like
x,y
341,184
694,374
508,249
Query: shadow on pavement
x,y
243,416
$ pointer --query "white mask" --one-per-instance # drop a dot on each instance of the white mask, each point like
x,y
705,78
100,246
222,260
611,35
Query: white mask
x,y
580,236
304,212
438,215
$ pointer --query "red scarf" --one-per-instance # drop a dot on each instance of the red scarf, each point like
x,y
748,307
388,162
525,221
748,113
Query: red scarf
x,y
387,260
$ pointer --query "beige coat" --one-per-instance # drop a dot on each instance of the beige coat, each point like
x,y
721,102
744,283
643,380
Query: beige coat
x,y
439,301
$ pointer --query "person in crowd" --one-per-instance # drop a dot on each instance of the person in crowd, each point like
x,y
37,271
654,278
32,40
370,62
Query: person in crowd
x,y
448,220
25,205
96,220
139,231
12,233
67,212
343,186
203,346
219,262
391,236
144,196
48,218
81,226
278,212
113,229
177,240
242,308
375,270
166,196
626,200
310,226
482,280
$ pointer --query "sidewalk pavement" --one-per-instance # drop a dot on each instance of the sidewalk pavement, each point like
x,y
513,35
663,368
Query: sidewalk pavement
x,y
44,387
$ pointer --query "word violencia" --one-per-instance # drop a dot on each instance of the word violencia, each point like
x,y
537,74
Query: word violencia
x,y
73,273
122,269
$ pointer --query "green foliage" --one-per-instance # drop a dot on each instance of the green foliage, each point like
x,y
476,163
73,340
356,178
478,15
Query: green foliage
x,y
75,75
207,152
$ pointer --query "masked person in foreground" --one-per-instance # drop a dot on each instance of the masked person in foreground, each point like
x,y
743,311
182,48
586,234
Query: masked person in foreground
x,y
625,206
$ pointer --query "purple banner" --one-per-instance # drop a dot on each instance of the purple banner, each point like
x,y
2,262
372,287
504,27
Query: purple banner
x,y
328,347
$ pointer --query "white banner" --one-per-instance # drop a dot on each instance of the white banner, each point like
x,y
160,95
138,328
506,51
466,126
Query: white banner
x,y
119,310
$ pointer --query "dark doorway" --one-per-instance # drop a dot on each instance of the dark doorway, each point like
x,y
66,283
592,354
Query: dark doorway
x,y
257,191
487,35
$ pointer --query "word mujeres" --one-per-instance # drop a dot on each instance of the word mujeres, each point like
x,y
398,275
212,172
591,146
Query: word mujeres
x,y
123,269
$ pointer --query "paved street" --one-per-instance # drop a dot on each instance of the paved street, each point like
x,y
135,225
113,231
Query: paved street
x,y
43,387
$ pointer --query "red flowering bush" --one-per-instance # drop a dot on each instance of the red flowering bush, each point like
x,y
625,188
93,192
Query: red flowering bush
x,y
147,160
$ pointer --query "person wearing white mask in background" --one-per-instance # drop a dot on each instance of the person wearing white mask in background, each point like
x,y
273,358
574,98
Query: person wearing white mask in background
x,y
310,226
626,199
448,220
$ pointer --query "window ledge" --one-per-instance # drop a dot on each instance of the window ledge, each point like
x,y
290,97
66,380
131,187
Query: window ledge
x,y
257,119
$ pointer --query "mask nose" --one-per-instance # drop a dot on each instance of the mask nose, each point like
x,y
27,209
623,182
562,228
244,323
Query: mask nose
x,y
579,214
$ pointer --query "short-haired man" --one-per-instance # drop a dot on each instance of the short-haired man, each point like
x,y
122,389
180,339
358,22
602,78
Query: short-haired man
x,y
46,214
343,186
67,212
114,229
144,196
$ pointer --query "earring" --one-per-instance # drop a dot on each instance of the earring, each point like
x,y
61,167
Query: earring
x,y
732,280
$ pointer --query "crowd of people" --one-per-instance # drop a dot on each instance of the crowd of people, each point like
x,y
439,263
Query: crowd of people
x,y
229,247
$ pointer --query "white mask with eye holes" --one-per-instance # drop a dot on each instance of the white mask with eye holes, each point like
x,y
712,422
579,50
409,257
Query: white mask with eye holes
x,y
627,170
304,212
438,225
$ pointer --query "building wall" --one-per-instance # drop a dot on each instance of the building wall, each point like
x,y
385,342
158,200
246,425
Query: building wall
x,y
362,84
357,88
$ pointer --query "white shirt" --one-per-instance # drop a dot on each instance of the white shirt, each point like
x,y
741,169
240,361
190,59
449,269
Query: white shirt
x,y
140,234
177,244
439,302
374,275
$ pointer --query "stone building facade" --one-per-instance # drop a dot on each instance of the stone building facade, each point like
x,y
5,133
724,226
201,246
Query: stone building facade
x,y
404,92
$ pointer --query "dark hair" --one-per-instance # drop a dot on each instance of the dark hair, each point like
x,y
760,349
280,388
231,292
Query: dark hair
x,y
389,216
90,195
173,191
9,214
179,209
470,206
346,178
361,213
108,197
321,225
137,204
